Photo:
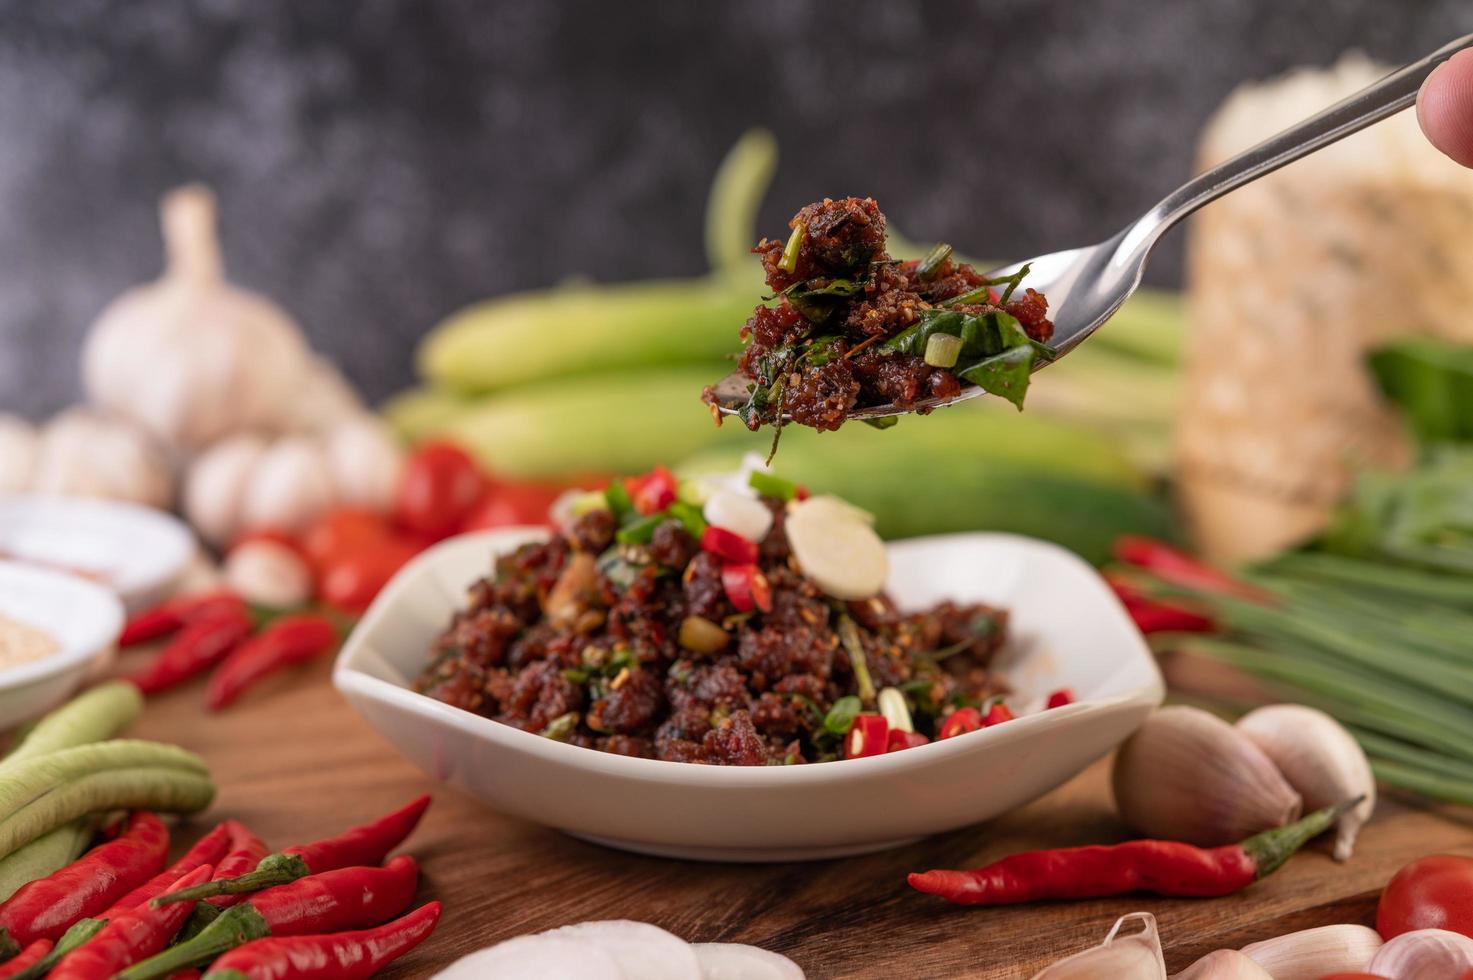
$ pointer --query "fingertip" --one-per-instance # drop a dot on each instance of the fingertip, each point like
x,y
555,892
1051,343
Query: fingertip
x,y
1445,108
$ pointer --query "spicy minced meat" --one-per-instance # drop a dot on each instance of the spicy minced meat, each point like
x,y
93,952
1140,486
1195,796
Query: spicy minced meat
x,y
580,638
839,292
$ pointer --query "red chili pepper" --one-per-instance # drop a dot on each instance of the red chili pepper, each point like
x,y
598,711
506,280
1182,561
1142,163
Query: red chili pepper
x,y
898,740
288,640
868,735
47,907
27,958
344,956
246,852
169,615
197,647
1060,698
1179,568
364,845
129,936
1155,866
997,714
959,722
728,545
210,849
746,587
653,492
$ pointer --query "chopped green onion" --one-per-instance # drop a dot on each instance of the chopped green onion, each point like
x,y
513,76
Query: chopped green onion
x,y
772,486
619,501
789,261
896,711
641,530
586,503
692,492
561,728
858,662
942,350
689,515
841,716
978,295
933,261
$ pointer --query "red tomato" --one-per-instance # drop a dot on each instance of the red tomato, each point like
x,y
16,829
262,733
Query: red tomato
x,y
1434,892
439,487
351,581
339,532
511,504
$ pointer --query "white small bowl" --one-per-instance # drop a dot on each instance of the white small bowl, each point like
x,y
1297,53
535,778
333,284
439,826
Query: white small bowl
x,y
1067,630
136,551
84,619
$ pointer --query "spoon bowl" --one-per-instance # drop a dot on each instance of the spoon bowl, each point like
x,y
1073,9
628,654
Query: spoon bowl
x,y
1086,286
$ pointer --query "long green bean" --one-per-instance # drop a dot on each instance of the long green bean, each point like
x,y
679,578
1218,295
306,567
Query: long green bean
x,y
46,854
26,782
91,717
162,788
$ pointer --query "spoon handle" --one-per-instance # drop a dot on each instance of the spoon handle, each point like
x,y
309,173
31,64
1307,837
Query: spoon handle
x,y
1390,95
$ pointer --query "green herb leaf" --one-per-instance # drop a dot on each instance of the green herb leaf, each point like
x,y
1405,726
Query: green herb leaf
x,y
619,500
1004,374
641,530
789,262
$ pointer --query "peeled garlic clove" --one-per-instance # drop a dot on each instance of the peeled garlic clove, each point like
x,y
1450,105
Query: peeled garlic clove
x,y
289,487
1320,759
268,573
1132,957
1190,776
1225,964
18,445
1313,953
836,547
1424,954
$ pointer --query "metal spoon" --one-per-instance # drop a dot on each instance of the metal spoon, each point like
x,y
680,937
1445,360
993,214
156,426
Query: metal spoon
x,y
1085,286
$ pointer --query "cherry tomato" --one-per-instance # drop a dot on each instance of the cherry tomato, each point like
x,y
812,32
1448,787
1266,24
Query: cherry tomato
x,y
512,504
1434,892
959,722
351,581
439,487
339,532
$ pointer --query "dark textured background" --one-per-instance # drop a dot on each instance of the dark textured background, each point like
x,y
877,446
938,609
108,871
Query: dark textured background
x,y
382,163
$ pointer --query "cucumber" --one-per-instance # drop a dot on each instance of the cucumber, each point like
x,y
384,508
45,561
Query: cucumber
x,y
624,423
970,469
580,330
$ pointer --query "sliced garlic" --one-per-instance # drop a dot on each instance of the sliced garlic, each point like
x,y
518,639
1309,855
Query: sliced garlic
x,y
1320,759
1424,954
738,513
836,548
1190,776
1314,953
1136,956
1225,964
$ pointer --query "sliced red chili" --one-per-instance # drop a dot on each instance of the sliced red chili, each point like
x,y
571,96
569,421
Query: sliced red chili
x,y
1060,698
728,546
997,714
959,722
868,735
747,588
898,740
654,491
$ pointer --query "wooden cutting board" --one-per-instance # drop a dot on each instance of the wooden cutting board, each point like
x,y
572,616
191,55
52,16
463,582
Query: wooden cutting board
x,y
295,763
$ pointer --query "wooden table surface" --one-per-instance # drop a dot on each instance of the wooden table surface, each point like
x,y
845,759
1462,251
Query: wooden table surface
x,y
294,762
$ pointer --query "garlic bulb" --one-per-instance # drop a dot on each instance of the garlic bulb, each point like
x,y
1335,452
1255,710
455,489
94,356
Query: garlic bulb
x,y
215,486
1133,957
189,357
325,399
1313,953
1424,954
86,454
1320,759
1190,776
365,462
289,487
1225,964
18,445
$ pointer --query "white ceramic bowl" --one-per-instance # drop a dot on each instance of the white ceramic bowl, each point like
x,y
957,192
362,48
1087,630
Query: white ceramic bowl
x,y
1067,628
84,619
136,551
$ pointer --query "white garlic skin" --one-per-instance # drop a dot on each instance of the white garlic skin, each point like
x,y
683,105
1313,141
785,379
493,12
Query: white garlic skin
x,y
1190,776
1313,953
1424,954
1224,964
1320,759
83,453
1136,956
19,444
189,357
